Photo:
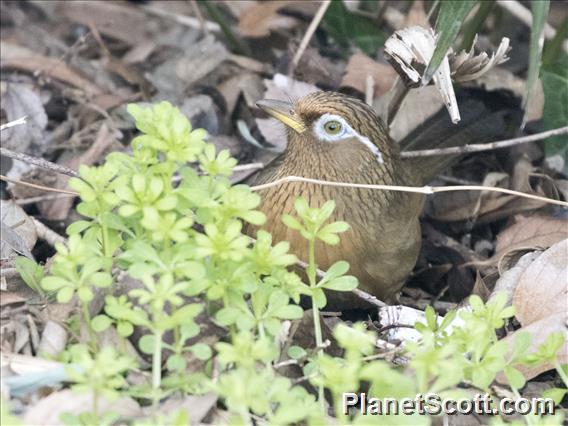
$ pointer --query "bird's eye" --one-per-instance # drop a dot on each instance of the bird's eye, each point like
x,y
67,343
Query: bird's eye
x,y
333,127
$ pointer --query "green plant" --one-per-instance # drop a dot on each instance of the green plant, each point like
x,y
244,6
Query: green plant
x,y
178,234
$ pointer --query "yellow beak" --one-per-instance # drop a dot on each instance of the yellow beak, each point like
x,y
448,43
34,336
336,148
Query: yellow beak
x,y
282,111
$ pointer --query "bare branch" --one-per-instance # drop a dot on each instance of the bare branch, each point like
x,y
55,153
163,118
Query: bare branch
x,y
484,146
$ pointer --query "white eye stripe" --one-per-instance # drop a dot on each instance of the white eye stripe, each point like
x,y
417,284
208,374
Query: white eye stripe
x,y
347,132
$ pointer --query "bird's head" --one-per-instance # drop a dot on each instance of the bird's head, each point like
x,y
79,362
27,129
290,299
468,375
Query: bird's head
x,y
331,119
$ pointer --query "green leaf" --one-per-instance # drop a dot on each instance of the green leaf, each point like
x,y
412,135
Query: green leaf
x,y
296,352
31,273
344,283
346,27
555,86
227,316
146,344
124,328
449,21
514,377
337,269
556,394
521,344
176,362
289,312
78,227
100,323
291,222
65,294
539,14
201,351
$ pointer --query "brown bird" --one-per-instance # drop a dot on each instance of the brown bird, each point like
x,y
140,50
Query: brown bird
x,y
338,138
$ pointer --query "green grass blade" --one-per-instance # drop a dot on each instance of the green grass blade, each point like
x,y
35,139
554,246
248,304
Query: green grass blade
x,y
539,14
450,19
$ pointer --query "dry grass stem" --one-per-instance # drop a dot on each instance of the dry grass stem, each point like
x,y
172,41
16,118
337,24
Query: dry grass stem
x,y
33,185
400,188
39,162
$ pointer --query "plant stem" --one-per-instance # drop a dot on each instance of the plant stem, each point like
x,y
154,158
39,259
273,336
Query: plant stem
x,y
561,373
156,368
312,269
87,319
104,240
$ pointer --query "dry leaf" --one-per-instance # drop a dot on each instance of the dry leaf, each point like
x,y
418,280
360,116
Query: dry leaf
x,y
23,59
531,232
180,71
467,66
53,339
17,101
259,19
117,20
47,410
509,276
196,406
543,286
360,66
409,51
18,231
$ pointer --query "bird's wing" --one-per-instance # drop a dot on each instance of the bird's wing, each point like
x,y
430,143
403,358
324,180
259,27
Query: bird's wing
x,y
485,117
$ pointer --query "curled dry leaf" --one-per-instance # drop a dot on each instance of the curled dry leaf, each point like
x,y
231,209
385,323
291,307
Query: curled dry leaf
x,y
259,19
409,51
530,232
543,286
467,66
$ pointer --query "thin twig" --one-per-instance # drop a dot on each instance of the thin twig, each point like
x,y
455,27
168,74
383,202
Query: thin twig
x,y
199,16
250,166
13,123
40,162
33,185
485,146
308,36
418,190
